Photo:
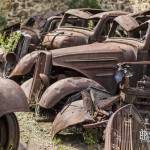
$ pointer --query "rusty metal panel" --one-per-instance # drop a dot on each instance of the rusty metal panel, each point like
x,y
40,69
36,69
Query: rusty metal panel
x,y
109,13
127,22
25,64
43,67
64,87
79,13
71,114
12,97
122,131
96,61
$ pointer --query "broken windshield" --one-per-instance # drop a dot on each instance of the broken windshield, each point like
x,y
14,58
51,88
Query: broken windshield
x,y
138,33
71,21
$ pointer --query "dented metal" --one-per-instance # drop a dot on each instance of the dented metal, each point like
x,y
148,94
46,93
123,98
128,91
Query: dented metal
x,y
12,97
95,61
71,114
84,112
63,88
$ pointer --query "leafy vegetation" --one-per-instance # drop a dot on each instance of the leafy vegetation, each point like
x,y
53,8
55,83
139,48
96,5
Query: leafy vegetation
x,y
91,136
9,43
83,3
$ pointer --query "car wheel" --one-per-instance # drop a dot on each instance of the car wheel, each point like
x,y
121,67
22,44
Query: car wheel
x,y
9,132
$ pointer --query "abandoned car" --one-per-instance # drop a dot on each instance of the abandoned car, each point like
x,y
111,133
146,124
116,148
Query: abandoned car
x,y
30,35
12,99
79,27
95,27
60,73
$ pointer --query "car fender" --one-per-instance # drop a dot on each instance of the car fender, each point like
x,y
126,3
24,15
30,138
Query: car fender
x,y
12,97
25,64
63,88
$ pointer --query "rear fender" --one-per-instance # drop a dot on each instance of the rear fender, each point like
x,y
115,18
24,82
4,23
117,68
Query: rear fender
x,y
63,88
12,97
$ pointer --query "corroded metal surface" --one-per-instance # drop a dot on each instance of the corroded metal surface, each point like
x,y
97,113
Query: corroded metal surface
x,y
71,114
102,56
122,131
95,61
32,33
127,22
25,64
78,33
63,88
83,112
12,97
40,78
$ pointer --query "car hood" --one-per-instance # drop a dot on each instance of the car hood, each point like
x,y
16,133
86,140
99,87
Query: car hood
x,y
77,57
66,38
95,48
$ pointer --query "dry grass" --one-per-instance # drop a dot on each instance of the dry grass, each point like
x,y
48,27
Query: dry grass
x,y
36,136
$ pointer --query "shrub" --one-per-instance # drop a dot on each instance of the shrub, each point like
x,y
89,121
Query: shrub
x,y
9,43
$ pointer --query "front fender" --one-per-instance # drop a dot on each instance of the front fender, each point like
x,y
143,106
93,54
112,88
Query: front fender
x,y
12,97
63,88
25,64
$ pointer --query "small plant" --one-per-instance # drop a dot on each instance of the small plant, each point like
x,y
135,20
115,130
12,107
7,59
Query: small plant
x,y
91,136
8,44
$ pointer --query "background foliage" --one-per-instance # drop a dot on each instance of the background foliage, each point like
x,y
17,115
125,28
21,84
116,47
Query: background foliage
x,y
9,43
3,22
83,3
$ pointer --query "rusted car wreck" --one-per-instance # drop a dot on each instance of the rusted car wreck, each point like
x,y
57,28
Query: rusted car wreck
x,y
97,108
80,85
95,61
80,27
86,26
12,101
31,35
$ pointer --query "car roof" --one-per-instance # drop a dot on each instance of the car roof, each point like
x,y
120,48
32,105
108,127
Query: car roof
x,y
83,12
127,22
109,13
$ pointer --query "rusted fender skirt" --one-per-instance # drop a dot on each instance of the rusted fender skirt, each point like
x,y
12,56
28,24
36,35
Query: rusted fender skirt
x,y
12,97
72,114
25,64
63,88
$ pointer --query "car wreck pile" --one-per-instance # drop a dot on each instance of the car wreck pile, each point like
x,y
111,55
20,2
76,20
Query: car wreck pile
x,y
87,67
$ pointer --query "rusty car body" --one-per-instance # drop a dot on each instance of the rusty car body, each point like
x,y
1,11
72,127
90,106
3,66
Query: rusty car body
x,y
12,99
122,116
34,30
81,26
89,25
31,35
95,61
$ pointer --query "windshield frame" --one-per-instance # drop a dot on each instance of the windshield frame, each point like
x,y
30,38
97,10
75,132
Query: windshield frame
x,y
65,17
113,29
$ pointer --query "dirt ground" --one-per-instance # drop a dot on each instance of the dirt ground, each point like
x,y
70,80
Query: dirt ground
x,y
36,136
